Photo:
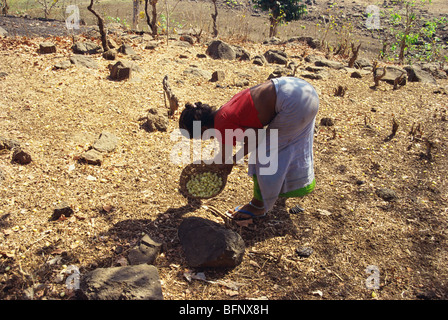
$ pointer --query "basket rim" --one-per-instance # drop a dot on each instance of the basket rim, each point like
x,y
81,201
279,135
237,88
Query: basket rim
x,y
194,169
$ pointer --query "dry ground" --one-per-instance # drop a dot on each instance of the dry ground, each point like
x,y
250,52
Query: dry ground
x,y
56,115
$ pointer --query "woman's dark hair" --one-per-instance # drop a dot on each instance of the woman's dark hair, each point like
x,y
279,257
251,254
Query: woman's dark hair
x,y
196,112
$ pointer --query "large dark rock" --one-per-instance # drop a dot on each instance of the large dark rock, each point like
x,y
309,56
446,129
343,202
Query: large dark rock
x,y
220,50
47,47
323,62
392,73
209,244
80,60
416,74
86,47
123,70
139,282
127,49
276,56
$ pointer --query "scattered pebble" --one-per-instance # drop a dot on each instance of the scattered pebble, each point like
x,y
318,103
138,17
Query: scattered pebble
x,y
304,251
21,157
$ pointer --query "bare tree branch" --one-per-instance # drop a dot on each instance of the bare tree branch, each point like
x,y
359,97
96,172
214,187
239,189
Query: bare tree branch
x,y
100,26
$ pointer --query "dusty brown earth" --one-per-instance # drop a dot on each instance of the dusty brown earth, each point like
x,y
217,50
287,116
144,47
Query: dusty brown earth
x,y
57,114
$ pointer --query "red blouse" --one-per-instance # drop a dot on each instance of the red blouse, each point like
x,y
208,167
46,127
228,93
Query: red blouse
x,y
238,113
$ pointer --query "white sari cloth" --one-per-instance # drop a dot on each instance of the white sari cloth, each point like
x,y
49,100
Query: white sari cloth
x,y
293,167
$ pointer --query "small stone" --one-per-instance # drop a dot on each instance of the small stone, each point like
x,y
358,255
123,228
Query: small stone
x,y
80,60
47,47
8,144
324,212
259,60
157,120
313,76
123,70
217,76
327,122
276,56
63,65
151,45
220,50
92,156
386,194
139,282
145,252
111,54
356,75
196,72
62,209
208,244
127,49
304,251
106,142
21,157
187,38
328,63
317,293
86,47
111,43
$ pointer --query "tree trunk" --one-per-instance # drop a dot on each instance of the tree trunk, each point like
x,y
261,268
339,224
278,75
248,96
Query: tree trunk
x,y
409,20
354,57
273,26
100,26
5,8
215,17
135,13
152,23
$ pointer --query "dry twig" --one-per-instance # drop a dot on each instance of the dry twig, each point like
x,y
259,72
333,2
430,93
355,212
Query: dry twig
x,y
172,99
377,77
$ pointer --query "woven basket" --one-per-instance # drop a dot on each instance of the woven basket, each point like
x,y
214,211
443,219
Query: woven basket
x,y
193,169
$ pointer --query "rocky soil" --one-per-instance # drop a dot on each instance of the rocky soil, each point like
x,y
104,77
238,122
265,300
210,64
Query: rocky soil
x,y
89,191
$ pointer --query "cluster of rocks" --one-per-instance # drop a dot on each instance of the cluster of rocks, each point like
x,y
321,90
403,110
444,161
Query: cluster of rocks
x,y
83,50
206,244
106,143
317,68
137,279
317,65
